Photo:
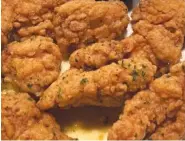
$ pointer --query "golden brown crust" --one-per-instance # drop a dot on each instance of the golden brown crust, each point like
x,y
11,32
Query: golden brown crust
x,y
147,110
172,129
162,24
169,13
6,20
79,22
165,46
106,86
32,64
21,119
100,54
27,18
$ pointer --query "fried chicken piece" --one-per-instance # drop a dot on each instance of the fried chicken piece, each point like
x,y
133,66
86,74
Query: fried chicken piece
x,y
27,18
172,130
162,24
21,119
100,54
106,86
169,13
150,108
6,20
166,46
82,22
32,64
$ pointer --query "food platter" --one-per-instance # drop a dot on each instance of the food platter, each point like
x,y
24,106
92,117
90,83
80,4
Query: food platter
x,y
88,101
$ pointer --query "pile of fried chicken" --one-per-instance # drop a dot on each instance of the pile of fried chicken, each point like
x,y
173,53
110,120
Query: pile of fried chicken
x,y
143,72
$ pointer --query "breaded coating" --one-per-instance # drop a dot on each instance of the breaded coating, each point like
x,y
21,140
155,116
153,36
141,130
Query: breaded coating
x,y
81,22
166,46
100,54
22,120
169,13
148,109
140,48
172,130
162,24
6,20
106,86
23,18
33,64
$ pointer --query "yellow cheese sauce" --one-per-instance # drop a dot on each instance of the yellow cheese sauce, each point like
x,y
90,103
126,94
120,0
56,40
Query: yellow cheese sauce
x,y
87,123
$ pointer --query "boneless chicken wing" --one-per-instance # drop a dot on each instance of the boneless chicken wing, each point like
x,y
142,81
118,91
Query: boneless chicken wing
x,y
23,18
22,120
162,24
81,22
169,13
100,54
148,109
106,86
172,129
165,46
32,64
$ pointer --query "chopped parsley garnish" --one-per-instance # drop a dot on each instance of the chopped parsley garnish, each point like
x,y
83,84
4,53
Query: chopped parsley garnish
x,y
134,75
143,73
59,92
84,81
30,99
29,85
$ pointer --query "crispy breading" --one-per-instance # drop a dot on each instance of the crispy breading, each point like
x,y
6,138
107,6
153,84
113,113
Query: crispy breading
x,y
172,129
81,22
169,13
100,54
166,46
6,20
106,86
162,24
33,64
150,108
21,119
23,18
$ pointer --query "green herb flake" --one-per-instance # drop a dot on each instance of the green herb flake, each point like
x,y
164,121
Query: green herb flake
x,y
83,81
59,92
134,75
29,85
30,99
143,73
